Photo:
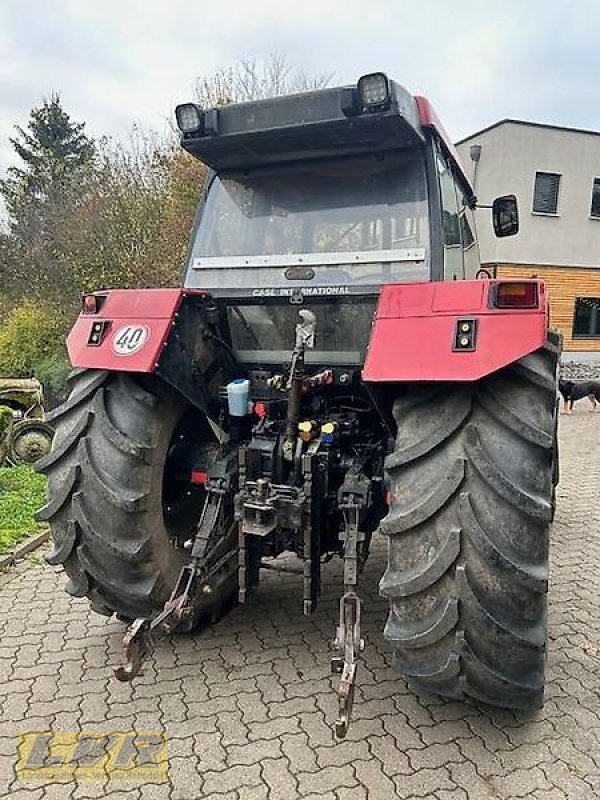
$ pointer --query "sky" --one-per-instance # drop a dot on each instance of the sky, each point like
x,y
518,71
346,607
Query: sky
x,y
120,62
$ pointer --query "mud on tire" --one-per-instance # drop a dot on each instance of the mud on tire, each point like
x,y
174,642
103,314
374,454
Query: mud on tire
x,y
105,496
471,479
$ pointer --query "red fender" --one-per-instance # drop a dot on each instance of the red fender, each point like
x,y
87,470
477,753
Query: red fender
x,y
135,325
412,339
415,331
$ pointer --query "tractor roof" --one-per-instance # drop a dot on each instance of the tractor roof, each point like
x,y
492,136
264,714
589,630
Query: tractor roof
x,y
374,115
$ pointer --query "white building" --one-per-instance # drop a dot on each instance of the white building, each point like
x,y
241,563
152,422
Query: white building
x,y
555,174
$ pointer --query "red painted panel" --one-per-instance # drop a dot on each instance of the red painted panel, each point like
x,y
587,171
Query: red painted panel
x,y
402,300
415,329
151,310
140,303
470,296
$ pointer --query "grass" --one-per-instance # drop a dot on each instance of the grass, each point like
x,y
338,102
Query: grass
x,y
22,493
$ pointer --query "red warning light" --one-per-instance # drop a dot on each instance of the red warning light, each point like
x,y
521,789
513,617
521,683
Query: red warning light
x,y
260,409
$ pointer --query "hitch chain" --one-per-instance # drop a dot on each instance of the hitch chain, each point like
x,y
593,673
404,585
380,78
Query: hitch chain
x,y
138,641
353,496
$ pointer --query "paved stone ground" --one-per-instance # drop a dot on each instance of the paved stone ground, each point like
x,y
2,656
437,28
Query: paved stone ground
x,y
248,705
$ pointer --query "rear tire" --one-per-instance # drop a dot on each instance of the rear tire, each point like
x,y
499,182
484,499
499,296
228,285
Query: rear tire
x,y
106,504
471,479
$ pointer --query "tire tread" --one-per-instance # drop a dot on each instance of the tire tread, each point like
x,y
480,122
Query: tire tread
x,y
468,609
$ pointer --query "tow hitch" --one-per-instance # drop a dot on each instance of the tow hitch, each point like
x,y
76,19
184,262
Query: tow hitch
x,y
353,496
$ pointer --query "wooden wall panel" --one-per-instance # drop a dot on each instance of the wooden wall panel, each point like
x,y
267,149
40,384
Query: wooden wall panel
x,y
564,285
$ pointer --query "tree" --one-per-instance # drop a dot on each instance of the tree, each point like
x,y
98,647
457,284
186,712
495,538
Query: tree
x,y
132,230
54,150
13,279
90,214
249,79
41,195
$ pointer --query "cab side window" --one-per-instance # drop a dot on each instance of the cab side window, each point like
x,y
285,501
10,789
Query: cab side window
x,y
469,243
454,268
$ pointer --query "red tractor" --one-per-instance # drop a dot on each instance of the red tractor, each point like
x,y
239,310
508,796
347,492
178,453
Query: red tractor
x,y
335,366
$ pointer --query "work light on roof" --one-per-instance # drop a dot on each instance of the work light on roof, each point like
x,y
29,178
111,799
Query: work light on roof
x,y
374,90
189,117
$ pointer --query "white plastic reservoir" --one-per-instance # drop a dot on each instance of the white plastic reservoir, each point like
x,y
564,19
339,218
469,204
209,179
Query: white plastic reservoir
x,y
238,392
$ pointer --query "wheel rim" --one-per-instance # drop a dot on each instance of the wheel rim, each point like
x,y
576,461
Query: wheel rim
x,y
183,500
29,442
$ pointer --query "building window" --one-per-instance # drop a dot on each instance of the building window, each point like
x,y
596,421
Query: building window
x,y
586,319
595,209
545,193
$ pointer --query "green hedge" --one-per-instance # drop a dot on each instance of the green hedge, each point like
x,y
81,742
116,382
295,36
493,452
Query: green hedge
x,y
22,493
32,345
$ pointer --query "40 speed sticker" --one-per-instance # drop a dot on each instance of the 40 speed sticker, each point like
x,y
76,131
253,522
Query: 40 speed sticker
x,y
129,339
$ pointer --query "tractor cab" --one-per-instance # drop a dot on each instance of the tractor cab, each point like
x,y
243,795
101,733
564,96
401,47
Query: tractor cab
x,y
319,199
353,187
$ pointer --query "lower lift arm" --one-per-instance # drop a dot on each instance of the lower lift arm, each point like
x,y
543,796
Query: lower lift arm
x,y
138,640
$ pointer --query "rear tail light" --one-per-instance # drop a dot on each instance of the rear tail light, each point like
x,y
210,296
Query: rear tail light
x,y
92,303
89,304
515,294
